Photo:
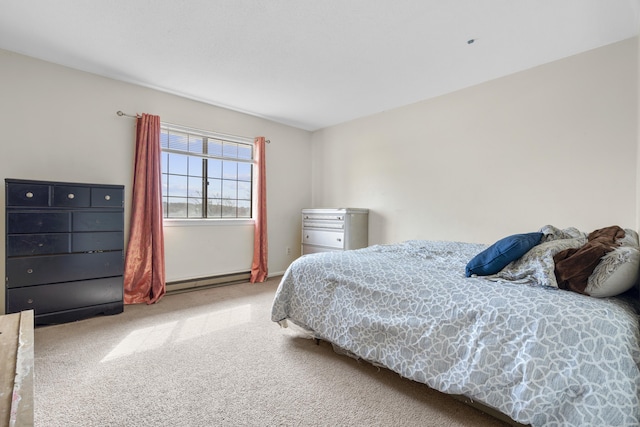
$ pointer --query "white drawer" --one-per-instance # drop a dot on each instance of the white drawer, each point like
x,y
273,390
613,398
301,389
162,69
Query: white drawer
x,y
332,225
323,216
334,239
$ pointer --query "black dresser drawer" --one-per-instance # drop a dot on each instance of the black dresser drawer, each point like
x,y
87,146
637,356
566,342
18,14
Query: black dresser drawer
x,y
38,244
35,195
71,196
65,296
97,221
105,241
107,197
38,222
29,271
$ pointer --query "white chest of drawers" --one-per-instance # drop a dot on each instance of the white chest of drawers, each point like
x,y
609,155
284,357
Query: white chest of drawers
x,y
334,229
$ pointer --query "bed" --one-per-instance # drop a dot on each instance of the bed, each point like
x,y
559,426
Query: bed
x,y
511,340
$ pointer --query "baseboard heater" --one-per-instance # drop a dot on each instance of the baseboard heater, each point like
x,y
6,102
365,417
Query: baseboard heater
x,y
207,282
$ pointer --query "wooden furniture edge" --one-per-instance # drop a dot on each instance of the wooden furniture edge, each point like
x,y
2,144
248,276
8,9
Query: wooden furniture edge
x,y
17,364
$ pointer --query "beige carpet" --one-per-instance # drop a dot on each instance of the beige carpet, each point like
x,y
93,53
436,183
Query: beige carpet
x,y
213,357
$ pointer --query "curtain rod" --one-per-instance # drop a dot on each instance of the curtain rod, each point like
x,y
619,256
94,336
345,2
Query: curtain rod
x,y
121,114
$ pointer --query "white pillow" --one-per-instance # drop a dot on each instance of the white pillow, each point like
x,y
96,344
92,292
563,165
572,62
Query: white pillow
x,y
617,271
630,238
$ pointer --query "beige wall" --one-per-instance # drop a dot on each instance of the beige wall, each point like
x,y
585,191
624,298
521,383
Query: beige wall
x,y
60,124
556,144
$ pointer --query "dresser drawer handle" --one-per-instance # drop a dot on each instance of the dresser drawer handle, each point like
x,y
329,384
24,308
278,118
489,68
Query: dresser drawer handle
x,y
71,195
29,195
29,270
30,301
107,197
339,239
307,236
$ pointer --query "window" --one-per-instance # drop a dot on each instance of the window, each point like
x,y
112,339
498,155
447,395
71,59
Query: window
x,y
205,175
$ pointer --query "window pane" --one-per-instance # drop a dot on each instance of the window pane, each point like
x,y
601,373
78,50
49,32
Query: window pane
x,y
195,166
214,147
214,208
244,190
244,209
195,187
177,186
164,139
244,171
178,164
195,144
229,190
214,188
228,183
229,209
177,207
230,170
244,151
164,177
178,141
230,149
164,162
214,168
194,208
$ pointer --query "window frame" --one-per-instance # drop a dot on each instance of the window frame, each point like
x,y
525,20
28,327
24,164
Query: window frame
x,y
207,135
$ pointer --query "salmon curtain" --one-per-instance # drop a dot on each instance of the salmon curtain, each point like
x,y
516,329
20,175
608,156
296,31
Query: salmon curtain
x,y
259,264
144,268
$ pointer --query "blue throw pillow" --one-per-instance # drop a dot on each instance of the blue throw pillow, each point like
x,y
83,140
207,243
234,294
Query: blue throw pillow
x,y
497,256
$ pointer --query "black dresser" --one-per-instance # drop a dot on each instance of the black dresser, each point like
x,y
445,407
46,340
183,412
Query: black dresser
x,y
64,249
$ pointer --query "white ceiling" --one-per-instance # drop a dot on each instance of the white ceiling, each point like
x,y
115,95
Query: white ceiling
x,y
310,63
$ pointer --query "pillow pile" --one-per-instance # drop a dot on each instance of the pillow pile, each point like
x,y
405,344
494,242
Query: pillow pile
x,y
497,256
616,273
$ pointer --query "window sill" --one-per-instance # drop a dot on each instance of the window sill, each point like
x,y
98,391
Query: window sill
x,y
206,222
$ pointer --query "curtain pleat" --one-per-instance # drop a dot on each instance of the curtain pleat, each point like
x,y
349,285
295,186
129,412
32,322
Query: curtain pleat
x,y
144,275
259,265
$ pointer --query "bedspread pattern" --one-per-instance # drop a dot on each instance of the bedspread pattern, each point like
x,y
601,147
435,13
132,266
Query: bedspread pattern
x,y
542,356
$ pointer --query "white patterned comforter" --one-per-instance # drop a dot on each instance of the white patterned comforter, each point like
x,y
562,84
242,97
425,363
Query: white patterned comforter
x,y
543,356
